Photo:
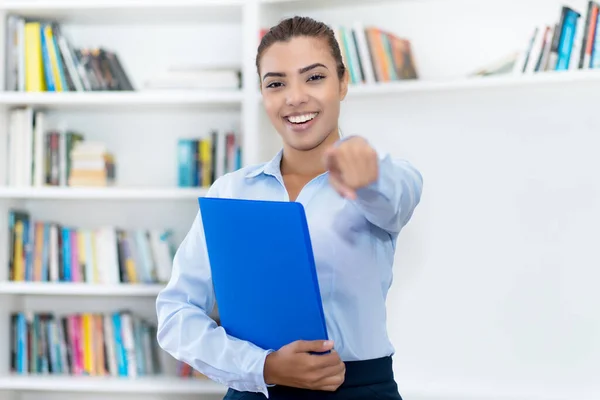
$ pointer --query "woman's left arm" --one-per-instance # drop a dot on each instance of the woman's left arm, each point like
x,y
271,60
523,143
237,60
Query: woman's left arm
x,y
386,190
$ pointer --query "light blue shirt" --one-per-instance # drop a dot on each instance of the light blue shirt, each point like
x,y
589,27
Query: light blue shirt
x,y
354,242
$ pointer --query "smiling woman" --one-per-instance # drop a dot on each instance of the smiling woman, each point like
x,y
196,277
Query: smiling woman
x,y
356,199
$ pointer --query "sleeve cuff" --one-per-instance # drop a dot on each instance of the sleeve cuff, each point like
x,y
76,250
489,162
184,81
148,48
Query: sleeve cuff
x,y
259,377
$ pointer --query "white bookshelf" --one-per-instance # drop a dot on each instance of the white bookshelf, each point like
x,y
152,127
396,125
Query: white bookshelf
x,y
503,159
151,121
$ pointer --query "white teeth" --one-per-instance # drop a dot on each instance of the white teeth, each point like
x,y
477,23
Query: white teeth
x,y
299,119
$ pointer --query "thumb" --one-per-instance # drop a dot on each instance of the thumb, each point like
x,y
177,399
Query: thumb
x,y
305,346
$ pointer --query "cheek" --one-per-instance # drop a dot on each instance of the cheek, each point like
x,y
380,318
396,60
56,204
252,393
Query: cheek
x,y
330,97
271,107
332,104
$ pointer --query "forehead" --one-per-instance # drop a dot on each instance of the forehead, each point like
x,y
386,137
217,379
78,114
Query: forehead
x,y
295,54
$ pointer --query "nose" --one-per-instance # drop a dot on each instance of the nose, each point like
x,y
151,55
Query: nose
x,y
295,95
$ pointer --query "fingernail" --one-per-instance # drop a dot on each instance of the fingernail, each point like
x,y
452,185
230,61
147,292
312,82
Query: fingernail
x,y
327,343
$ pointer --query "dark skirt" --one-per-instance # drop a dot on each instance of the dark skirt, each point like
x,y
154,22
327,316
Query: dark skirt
x,y
369,379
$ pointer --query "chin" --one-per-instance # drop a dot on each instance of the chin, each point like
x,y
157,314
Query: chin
x,y
304,143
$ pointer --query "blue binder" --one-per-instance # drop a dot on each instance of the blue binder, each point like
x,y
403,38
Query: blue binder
x,y
263,271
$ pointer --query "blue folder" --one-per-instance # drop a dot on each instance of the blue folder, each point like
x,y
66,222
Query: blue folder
x,y
263,271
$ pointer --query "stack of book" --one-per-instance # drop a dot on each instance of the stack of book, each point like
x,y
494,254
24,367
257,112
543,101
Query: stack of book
x,y
90,165
40,156
47,251
196,78
40,58
202,160
118,344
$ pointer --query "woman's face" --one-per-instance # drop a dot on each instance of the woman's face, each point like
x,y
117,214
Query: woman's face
x,y
301,91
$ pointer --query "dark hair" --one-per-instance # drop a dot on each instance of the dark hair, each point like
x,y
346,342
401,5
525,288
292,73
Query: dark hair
x,y
301,26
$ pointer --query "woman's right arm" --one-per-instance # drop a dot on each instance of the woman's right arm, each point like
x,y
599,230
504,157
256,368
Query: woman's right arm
x,y
186,331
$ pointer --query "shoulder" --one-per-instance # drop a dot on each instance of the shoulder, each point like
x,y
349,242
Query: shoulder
x,y
228,184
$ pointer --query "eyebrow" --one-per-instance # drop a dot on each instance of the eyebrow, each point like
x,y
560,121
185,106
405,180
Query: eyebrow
x,y
301,70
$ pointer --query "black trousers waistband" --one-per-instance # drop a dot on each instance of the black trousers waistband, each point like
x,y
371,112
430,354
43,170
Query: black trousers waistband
x,y
368,372
364,380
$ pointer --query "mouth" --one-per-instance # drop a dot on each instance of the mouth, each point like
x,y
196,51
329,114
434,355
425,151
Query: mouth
x,y
301,121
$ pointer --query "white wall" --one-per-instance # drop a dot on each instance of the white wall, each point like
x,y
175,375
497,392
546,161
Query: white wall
x,y
495,290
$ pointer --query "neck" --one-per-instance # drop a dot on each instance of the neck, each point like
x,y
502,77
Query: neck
x,y
309,162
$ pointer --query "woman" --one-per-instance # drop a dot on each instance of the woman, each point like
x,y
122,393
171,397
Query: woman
x,y
356,199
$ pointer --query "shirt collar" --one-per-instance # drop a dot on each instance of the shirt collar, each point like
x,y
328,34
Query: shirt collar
x,y
269,168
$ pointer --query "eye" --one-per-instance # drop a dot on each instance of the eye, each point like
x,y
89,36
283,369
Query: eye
x,y
274,84
316,77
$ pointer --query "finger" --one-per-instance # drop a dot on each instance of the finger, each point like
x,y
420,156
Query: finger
x,y
323,361
330,386
353,166
346,167
317,346
332,367
332,378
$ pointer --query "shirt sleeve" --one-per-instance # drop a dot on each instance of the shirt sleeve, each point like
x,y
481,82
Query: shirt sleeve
x,y
390,201
189,334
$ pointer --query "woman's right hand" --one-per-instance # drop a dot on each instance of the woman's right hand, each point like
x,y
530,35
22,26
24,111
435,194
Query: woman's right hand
x,y
293,365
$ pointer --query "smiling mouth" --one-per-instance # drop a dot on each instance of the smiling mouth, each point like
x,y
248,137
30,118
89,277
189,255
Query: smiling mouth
x,y
301,119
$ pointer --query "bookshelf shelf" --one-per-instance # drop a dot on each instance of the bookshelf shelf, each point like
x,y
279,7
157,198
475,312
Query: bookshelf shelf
x,y
142,385
113,193
128,11
78,289
506,81
118,99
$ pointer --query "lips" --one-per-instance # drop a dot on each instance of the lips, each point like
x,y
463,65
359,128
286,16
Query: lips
x,y
300,122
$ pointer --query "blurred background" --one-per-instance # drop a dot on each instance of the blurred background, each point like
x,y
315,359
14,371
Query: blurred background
x,y
116,115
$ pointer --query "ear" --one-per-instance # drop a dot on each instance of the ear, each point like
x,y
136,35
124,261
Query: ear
x,y
344,85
